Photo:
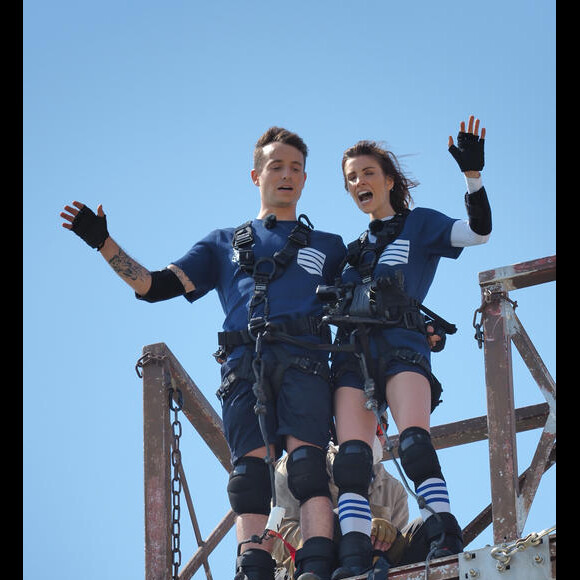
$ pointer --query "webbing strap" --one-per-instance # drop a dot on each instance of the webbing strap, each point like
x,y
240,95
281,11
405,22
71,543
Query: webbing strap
x,y
288,545
363,255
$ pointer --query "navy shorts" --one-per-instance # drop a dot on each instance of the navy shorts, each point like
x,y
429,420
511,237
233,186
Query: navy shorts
x,y
347,372
302,406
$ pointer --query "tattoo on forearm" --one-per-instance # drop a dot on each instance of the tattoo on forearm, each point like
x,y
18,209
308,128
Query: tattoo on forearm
x,y
126,267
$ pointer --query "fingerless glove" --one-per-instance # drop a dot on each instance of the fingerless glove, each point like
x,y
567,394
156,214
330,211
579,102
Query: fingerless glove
x,y
469,152
90,227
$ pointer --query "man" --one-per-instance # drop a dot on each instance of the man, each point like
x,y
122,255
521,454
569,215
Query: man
x,y
275,389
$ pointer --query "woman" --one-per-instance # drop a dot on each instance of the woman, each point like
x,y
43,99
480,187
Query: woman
x,y
390,269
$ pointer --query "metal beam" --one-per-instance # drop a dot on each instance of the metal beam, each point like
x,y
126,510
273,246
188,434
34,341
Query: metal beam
x,y
157,465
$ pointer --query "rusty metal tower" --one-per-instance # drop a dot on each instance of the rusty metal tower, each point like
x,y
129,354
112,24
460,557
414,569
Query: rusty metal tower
x,y
168,390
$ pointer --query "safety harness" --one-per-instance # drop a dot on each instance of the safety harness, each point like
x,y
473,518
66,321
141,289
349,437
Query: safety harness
x,y
263,271
360,311
267,375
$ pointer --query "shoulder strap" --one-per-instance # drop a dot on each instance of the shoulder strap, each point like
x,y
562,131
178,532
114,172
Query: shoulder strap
x,y
242,241
298,238
359,250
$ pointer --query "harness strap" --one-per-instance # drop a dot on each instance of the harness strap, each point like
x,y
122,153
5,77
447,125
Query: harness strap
x,y
288,545
363,255
271,375
243,241
307,326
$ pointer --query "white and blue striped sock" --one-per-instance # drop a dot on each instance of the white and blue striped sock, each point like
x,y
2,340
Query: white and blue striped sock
x,y
434,490
354,513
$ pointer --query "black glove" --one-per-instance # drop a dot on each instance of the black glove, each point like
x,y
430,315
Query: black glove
x,y
469,152
90,227
439,331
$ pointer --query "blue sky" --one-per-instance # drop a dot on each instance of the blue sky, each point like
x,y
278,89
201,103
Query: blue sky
x,y
152,109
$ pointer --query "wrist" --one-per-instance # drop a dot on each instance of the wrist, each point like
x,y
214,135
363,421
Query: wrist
x,y
105,244
473,183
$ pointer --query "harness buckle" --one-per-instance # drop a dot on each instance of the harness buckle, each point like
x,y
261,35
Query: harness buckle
x,y
220,355
411,321
255,326
243,236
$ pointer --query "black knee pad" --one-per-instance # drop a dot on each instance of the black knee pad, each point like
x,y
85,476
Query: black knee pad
x,y
249,488
418,455
307,475
353,466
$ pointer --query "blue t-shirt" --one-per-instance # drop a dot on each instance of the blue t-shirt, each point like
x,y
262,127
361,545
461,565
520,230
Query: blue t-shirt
x,y
424,239
213,263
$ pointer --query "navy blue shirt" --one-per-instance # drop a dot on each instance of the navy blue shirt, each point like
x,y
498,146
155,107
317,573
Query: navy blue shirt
x,y
212,263
424,239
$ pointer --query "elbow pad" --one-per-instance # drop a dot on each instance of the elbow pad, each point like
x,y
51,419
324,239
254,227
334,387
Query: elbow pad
x,y
478,211
164,285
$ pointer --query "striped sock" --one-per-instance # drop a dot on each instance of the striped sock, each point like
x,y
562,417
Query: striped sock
x,y
354,513
434,491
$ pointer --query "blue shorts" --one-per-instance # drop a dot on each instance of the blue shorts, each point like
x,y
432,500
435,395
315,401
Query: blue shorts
x,y
302,406
347,372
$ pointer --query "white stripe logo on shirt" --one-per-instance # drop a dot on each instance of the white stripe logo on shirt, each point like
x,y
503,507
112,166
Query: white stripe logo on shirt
x,y
396,253
311,260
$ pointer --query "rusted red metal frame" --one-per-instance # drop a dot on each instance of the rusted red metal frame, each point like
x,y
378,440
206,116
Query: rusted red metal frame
x,y
157,430
512,497
157,360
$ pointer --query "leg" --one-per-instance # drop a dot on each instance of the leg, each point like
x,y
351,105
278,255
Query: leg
x,y
249,491
353,419
352,471
409,398
316,516
308,482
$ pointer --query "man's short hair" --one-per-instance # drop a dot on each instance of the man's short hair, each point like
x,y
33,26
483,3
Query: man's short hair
x,y
277,135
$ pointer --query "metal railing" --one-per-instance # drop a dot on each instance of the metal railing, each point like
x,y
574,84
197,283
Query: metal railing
x,y
167,387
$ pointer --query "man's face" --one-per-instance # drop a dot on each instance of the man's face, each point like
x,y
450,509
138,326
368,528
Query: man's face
x,y
282,176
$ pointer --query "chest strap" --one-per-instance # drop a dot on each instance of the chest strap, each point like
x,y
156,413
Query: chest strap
x,y
265,269
243,242
363,254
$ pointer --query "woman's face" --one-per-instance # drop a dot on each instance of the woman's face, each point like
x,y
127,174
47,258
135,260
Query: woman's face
x,y
368,186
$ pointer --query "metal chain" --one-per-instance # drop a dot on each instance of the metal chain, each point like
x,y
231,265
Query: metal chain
x,y
145,359
175,406
489,294
504,552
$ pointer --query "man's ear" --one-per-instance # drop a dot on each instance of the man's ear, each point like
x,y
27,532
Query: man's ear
x,y
255,177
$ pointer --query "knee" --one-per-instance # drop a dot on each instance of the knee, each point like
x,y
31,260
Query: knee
x,y
307,475
418,455
352,468
249,488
